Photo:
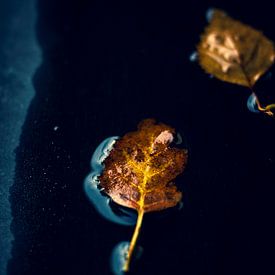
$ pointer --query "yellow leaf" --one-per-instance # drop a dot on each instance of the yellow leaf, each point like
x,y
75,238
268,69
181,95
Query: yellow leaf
x,y
234,52
140,170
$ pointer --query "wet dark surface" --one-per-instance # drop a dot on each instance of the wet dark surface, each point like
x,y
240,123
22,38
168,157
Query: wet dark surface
x,y
106,66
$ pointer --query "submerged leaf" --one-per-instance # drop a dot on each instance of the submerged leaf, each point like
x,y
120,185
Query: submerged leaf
x,y
140,169
234,52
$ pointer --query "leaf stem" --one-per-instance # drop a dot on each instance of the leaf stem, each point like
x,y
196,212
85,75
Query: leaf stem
x,y
133,240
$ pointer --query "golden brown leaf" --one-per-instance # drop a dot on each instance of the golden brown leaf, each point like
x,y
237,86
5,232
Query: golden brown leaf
x,y
140,169
236,53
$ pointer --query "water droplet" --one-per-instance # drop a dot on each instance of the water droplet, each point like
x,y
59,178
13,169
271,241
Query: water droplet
x,y
252,104
92,188
194,57
268,76
101,153
178,139
209,14
119,256
180,205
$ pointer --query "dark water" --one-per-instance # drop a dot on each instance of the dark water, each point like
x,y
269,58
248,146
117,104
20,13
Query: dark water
x,y
107,65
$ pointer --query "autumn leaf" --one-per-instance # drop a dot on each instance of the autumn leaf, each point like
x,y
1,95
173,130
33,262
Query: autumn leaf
x,y
140,170
235,53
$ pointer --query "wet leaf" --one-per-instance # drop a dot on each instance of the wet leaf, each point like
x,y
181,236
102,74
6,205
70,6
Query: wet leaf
x,y
236,53
140,170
